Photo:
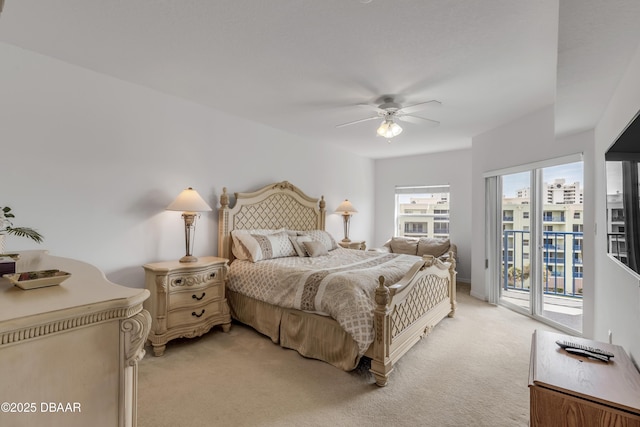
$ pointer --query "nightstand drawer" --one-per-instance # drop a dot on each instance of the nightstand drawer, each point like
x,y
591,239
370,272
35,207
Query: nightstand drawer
x,y
196,279
194,315
196,296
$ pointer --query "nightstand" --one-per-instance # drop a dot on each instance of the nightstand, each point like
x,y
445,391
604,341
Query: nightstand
x,y
187,299
357,244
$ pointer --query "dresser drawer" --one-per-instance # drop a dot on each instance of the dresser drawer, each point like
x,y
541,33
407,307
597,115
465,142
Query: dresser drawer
x,y
196,279
197,296
194,315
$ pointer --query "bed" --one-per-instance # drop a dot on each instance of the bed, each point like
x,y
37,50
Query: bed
x,y
405,296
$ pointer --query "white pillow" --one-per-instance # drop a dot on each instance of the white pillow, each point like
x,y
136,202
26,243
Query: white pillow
x,y
267,246
321,236
238,249
298,244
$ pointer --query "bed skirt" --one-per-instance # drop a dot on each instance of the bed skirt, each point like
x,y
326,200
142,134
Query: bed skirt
x,y
311,335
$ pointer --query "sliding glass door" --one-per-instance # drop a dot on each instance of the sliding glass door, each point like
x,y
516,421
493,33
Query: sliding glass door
x,y
515,262
537,258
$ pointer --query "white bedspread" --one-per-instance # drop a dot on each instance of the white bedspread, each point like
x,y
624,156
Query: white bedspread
x,y
341,285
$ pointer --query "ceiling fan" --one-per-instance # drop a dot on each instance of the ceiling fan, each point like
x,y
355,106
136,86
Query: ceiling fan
x,y
390,111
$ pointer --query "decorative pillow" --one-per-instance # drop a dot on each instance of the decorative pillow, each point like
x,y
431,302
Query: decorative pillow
x,y
297,242
315,248
238,249
321,236
404,245
431,246
263,244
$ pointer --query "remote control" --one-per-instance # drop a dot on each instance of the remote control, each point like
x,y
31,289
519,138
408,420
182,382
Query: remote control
x,y
567,345
588,354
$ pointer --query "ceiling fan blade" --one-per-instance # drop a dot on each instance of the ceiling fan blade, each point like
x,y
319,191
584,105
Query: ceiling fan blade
x,y
372,107
417,120
358,121
418,107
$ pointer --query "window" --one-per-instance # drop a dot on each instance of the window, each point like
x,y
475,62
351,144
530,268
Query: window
x,y
422,211
415,228
441,229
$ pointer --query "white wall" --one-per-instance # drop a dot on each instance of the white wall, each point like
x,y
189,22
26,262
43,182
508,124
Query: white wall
x,y
453,168
91,162
617,295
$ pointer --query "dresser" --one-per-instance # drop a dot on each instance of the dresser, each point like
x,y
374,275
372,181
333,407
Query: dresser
x,y
187,299
69,353
571,390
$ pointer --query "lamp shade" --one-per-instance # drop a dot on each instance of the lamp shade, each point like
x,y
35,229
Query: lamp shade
x,y
189,201
346,208
389,129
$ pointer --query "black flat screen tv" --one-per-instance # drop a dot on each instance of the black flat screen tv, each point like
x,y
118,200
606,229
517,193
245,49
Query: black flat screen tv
x,y
623,196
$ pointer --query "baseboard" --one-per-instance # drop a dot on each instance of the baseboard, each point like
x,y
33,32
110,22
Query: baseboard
x,y
478,296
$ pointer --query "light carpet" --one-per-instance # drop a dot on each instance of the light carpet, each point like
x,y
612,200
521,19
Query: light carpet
x,y
472,370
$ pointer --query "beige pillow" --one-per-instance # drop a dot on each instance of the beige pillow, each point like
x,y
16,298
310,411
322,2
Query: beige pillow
x,y
261,246
298,244
321,236
238,249
404,245
431,246
315,248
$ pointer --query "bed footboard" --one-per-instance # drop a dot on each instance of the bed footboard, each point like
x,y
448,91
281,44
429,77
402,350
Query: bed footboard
x,y
407,311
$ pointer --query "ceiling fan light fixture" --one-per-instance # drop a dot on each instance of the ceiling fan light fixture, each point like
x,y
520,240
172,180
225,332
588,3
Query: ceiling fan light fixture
x,y
389,129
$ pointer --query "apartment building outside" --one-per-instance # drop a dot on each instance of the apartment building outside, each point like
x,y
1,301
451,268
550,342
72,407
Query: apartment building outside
x,y
562,239
423,215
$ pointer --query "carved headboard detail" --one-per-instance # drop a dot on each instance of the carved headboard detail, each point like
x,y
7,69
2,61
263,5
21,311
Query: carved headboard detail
x,y
279,205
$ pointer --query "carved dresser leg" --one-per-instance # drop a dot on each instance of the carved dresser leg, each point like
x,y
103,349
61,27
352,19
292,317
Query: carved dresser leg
x,y
158,350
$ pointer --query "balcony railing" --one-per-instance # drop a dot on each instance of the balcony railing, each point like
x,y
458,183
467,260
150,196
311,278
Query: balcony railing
x,y
553,218
559,257
616,244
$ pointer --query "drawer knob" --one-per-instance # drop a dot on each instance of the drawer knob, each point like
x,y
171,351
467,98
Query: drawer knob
x,y
212,275
198,315
198,298
178,282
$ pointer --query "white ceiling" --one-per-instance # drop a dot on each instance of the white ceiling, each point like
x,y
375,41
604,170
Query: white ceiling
x,y
303,66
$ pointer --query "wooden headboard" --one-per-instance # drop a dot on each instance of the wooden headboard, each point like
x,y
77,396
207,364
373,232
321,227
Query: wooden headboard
x,y
279,205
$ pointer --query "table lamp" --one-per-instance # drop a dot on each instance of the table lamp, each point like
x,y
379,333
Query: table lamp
x,y
346,209
190,203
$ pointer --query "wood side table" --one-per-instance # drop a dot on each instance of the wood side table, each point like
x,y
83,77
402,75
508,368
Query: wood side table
x,y
571,390
187,299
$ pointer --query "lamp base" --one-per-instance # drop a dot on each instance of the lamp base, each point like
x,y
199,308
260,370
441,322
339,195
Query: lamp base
x,y
188,258
346,239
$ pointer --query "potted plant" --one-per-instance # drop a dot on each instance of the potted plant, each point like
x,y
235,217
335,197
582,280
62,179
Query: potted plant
x,y
7,228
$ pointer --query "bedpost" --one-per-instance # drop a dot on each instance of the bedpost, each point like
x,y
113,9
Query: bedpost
x,y
321,220
381,365
453,287
223,225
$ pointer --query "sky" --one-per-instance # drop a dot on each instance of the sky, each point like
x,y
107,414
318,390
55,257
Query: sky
x,y
614,177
